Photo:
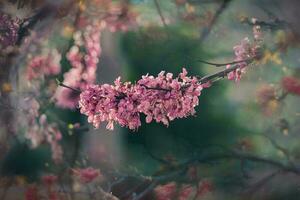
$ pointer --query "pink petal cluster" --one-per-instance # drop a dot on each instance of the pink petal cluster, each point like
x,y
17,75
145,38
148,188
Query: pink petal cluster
x,y
31,193
204,187
162,99
165,192
245,51
49,180
43,65
43,131
164,106
9,30
171,191
291,85
87,175
84,66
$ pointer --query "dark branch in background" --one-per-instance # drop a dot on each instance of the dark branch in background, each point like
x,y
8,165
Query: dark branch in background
x,y
160,13
182,168
205,79
223,73
258,185
30,22
220,10
272,25
223,64
66,86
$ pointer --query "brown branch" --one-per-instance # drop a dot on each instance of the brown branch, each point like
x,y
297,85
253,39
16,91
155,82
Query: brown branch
x,y
160,13
222,74
182,168
59,83
220,10
223,64
272,25
156,88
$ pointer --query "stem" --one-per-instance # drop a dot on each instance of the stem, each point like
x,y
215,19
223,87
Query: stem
x,y
223,73
272,25
223,64
66,86
155,88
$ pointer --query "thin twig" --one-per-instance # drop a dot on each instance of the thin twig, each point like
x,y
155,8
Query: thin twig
x,y
220,10
223,64
66,86
160,13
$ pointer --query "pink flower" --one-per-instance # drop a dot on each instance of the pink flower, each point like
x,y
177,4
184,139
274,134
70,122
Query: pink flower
x,y
38,133
49,180
236,74
87,175
291,85
31,193
44,65
84,66
161,98
186,192
171,191
204,187
244,52
165,192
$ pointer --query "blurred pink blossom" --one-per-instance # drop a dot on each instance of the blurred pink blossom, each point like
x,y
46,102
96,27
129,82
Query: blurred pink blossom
x,y
87,175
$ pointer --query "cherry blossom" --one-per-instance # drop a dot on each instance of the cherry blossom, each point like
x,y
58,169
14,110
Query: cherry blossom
x,y
165,192
162,98
44,65
87,175
43,131
49,180
244,52
31,193
291,85
84,65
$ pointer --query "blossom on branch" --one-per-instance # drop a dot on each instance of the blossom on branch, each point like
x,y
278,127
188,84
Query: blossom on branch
x,y
43,65
162,99
84,65
87,175
244,52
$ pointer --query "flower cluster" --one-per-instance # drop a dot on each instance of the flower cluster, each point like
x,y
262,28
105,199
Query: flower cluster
x,y
267,99
162,98
43,65
87,175
31,193
291,85
40,131
49,180
43,131
84,65
244,52
9,30
184,192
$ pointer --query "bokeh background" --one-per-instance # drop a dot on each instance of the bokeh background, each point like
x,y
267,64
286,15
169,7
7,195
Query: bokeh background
x,y
230,116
